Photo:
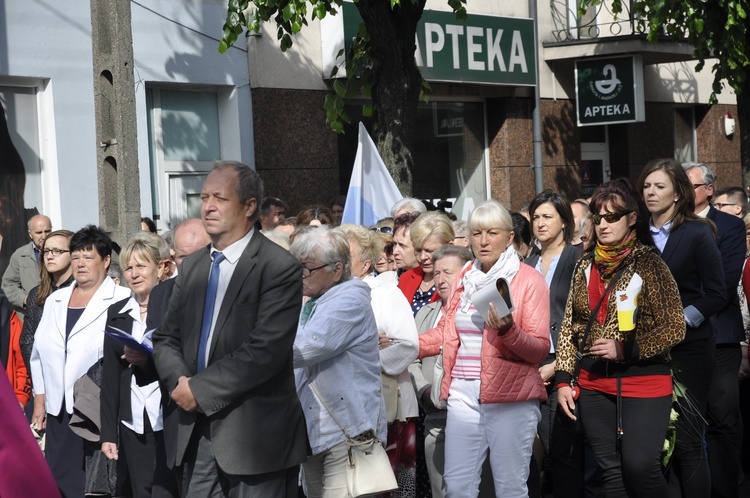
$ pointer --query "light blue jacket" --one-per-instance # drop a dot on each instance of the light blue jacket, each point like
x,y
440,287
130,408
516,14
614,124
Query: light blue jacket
x,y
337,349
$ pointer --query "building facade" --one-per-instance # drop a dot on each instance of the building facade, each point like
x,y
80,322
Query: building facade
x,y
258,105
474,138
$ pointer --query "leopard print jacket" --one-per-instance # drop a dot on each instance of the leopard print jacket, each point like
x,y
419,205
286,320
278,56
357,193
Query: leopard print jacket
x,y
660,321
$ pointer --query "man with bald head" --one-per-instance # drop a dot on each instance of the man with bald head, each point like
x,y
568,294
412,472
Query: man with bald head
x,y
22,273
189,236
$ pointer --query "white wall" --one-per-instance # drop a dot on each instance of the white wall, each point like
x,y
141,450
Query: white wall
x,y
175,42
48,44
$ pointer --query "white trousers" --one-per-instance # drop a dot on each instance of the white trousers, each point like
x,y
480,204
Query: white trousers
x,y
505,430
325,473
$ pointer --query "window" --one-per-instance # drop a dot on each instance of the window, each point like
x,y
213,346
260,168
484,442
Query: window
x,y
684,135
450,162
184,140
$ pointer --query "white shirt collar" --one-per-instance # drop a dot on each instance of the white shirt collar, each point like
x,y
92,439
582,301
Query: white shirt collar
x,y
233,251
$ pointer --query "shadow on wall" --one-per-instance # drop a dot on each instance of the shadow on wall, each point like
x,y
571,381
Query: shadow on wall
x,y
561,142
13,214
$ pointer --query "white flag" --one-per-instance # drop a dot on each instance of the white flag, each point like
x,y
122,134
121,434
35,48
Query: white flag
x,y
372,190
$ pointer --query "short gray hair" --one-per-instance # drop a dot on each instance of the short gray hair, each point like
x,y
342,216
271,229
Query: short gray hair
x,y
329,245
707,175
410,204
448,250
461,228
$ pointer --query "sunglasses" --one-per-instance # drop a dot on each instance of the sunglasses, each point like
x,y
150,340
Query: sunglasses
x,y
608,217
385,229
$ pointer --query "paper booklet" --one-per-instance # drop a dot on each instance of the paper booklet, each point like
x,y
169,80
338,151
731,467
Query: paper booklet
x,y
145,345
498,294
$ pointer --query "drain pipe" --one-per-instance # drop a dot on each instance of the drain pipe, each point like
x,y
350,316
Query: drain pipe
x,y
536,115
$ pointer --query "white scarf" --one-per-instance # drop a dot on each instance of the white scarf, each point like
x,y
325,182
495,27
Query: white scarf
x,y
475,279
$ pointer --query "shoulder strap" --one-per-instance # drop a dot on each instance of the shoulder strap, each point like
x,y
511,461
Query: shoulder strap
x,y
312,386
582,344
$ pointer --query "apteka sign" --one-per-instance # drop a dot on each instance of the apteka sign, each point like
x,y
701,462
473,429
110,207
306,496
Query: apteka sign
x,y
609,91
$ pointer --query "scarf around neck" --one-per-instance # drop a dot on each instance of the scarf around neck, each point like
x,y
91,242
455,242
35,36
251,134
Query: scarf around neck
x,y
475,279
608,259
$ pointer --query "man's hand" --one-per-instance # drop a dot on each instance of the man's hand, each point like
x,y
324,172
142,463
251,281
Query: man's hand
x,y
183,396
135,357
609,349
110,451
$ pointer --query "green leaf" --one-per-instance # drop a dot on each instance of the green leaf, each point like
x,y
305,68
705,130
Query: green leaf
x,y
286,42
339,88
223,46
367,110
288,12
338,127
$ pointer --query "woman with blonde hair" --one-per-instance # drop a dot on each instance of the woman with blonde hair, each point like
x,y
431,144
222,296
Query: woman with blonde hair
x,y
131,409
491,379
428,233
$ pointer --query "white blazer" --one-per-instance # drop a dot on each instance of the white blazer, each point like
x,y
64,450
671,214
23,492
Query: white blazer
x,y
55,365
393,316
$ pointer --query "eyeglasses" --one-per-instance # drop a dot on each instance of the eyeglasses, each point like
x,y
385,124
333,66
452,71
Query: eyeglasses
x,y
721,205
698,185
384,229
306,272
55,252
608,217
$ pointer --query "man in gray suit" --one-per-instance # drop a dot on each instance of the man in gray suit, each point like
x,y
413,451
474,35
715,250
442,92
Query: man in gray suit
x,y
448,261
224,351
22,273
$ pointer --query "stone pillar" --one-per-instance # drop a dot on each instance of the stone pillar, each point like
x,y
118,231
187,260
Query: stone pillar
x,y
116,135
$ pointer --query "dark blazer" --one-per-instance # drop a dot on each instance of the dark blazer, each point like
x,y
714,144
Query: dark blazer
x,y
247,389
732,246
559,287
693,257
117,374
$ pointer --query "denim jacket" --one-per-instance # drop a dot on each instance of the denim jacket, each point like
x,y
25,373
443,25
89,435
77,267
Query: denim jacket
x,y
337,349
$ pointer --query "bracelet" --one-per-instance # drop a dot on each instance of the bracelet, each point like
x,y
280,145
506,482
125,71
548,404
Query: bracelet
x,y
562,384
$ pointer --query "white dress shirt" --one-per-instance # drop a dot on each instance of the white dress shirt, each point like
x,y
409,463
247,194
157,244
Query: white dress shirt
x,y
232,255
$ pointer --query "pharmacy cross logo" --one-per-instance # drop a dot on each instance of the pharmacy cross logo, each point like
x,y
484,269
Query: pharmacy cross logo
x,y
609,88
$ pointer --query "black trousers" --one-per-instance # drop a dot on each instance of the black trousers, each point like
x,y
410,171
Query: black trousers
x,y
147,463
634,470
724,434
689,475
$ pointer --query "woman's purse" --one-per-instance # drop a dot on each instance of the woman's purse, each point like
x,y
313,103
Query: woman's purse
x,y
392,396
368,471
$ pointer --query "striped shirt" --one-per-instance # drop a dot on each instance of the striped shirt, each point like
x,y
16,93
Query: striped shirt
x,y
470,327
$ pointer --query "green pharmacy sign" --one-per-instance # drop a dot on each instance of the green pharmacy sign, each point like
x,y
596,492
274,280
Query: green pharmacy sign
x,y
609,91
481,49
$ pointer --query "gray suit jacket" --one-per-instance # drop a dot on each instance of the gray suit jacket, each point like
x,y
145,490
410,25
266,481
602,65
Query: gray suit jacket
x,y
247,389
422,370
21,276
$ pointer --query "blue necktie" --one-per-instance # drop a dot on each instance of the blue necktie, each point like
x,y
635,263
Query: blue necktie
x,y
208,309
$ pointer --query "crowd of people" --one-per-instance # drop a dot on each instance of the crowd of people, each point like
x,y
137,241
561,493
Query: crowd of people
x,y
245,353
